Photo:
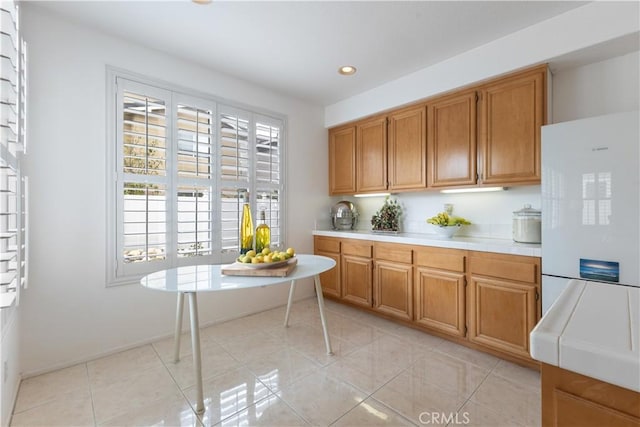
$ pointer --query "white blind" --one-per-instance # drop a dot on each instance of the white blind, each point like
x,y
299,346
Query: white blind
x,y
13,185
196,177
268,180
143,182
234,147
182,163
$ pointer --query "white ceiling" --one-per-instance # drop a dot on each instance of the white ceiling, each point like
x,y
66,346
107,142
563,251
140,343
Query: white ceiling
x,y
295,48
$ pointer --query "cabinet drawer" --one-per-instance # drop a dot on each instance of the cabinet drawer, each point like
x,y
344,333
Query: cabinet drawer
x,y
325,244
393,252
360,248
444,259
510,267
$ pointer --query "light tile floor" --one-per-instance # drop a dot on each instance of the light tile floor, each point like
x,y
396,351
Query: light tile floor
x,y
256,372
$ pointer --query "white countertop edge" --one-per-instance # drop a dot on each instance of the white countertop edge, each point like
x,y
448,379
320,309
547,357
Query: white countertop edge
x,y
545,337
504,246
619,367
590,360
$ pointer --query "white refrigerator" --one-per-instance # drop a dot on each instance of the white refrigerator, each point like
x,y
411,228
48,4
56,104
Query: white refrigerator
x,y
590,202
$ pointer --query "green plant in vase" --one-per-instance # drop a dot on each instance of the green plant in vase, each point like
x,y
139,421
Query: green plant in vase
x,y
387,218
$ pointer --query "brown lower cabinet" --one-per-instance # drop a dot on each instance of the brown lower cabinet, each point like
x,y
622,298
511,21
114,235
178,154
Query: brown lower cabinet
x,y
485,300
571,399
393,280
504,301
440,290
330,280
356,272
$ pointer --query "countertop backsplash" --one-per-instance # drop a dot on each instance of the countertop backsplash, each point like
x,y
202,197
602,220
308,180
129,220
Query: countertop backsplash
x,y
490,213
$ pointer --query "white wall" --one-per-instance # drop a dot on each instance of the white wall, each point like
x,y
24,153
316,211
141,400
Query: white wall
x,y
490,213
68,314
609,86
595,23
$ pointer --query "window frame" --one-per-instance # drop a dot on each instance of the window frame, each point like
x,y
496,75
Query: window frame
x,y
15,197
178,95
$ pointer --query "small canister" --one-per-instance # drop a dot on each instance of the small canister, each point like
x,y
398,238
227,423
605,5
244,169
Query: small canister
x,y
527,225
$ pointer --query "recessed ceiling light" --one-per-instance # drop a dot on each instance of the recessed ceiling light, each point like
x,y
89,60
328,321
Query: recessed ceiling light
x,y
201,1
347,70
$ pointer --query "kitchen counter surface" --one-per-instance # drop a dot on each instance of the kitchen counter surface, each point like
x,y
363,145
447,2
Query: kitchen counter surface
x,y
504,246
593,329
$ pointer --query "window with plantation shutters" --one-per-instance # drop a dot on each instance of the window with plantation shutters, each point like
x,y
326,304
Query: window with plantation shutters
x,y
13,183
181,163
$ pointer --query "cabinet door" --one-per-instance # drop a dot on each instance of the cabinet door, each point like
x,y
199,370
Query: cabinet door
x,y
356,280
513,111
407,149
452,140
502,314
393,289
330,280
372,155
440,300
571,399
342,160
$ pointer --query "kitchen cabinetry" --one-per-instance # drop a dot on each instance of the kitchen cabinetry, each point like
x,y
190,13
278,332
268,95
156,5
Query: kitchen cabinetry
x,y
485,300
503,301
451,140
485,134
330,280
571,399
393,280
356,274
513,111
371,149
440,290
342,160
407,149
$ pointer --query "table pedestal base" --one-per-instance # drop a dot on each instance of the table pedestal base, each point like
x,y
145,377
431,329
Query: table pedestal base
x,y
195,332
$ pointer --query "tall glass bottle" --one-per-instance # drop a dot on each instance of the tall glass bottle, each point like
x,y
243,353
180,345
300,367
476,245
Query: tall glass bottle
x,y
246,226
263,233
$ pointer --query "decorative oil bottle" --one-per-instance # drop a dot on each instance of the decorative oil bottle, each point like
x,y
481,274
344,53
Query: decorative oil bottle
x,y
246,226
263,234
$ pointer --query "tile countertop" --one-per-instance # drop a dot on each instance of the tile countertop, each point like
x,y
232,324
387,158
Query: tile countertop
x,y
593,329
503,246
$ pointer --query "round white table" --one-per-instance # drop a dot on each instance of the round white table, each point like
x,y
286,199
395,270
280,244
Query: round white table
x,y
208,278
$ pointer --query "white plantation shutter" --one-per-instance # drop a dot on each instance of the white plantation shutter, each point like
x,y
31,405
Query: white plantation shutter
x,y
235,173
13,185
143,180
196,178
234,147
268,157
182,163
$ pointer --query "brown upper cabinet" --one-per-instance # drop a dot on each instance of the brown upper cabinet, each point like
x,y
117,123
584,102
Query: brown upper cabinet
x,y
513,111
452,140
407,149
487,134
371,155
342,160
